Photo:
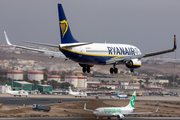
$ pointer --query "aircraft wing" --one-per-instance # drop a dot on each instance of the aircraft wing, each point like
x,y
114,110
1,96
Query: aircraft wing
x,y
162,52
127,58
87,109
142,112
46,52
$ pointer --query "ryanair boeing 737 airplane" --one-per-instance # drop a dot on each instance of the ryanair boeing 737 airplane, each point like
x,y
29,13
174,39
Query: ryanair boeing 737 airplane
x,y
90,54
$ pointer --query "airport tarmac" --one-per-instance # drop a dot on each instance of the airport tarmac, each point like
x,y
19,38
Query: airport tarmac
x,y
79,118
31,100
48,99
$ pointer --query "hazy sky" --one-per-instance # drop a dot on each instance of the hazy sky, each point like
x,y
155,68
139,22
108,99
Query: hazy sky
x,y
147,24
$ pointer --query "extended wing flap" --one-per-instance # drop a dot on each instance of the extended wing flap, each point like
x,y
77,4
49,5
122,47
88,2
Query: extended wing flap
x,y
114,60
124,58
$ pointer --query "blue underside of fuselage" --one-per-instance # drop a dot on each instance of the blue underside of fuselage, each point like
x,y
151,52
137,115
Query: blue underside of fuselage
x,y
86,59
136,66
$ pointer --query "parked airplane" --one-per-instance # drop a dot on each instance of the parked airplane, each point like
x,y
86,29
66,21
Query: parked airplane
x,y
77,94
17,93
118,112
121,96
90,54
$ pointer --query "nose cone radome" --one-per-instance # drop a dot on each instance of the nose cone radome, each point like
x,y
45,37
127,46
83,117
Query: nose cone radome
x,y
95,113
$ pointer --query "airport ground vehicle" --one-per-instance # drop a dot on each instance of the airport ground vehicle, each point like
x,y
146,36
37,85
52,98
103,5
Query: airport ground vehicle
x,y
1,104
139,94
38,107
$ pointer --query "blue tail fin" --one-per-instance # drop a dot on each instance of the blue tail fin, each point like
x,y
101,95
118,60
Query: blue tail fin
x,y
66,36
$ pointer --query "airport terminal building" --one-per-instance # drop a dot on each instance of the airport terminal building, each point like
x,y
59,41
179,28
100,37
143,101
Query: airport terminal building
x,y
27,86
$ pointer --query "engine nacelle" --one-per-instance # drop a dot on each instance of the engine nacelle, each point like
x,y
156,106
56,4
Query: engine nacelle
x,y
133,63
120,116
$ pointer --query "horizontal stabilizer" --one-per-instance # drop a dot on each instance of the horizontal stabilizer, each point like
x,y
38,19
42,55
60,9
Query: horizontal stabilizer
x,y
44,44
62,45
73,45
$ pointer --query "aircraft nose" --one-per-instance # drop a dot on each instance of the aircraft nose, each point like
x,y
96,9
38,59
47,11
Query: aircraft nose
x,y
94,112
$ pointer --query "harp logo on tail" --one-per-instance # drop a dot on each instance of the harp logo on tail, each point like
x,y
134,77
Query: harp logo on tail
x,y
132,101
64,27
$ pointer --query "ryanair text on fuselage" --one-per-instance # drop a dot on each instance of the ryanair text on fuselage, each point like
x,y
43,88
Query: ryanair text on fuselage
x,y
121,50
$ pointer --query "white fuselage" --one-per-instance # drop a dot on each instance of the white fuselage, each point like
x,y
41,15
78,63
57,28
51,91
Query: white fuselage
x,y
122,96
98,53
78,94
17,93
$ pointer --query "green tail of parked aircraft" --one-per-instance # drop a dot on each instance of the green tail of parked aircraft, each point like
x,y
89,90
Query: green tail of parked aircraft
x,y
118,112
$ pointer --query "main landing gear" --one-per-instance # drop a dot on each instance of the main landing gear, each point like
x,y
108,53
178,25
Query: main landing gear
x,y
86,68
114,69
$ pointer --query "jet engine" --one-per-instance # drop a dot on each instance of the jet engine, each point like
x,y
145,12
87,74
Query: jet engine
x,y
133,63
120,116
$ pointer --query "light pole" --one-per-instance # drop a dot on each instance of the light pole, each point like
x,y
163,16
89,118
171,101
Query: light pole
x,y
12,71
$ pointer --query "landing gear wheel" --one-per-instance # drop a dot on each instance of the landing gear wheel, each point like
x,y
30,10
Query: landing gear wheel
x,y
132,70
119,117
115,70
88,70
84,69
111,70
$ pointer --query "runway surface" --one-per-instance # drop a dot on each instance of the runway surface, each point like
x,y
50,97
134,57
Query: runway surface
x,y
49,99
70,118
30,101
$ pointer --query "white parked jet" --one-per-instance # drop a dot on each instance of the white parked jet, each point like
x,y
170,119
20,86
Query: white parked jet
x,y
77,94
121,96
17,93
118,112
90,54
